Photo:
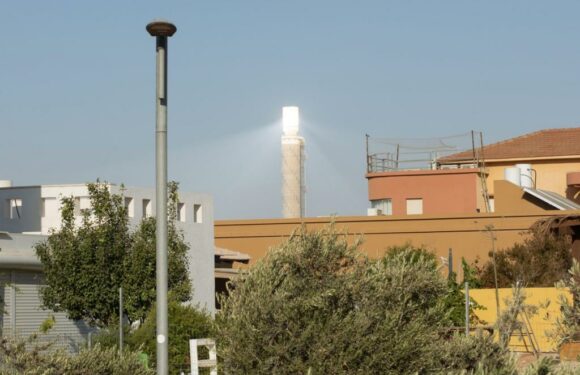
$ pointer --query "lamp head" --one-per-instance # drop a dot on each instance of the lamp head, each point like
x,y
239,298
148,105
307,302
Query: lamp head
x,y
290,120
161,28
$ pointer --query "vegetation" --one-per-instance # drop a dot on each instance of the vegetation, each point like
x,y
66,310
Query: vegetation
x,y
541,260
18,356
316,305
568,324
185,322
454,299
84,265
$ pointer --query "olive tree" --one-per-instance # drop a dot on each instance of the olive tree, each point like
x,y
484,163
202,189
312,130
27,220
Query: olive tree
x,y
316,305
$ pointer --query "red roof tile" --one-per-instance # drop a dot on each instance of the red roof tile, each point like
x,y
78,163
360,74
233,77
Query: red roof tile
x,y
543,143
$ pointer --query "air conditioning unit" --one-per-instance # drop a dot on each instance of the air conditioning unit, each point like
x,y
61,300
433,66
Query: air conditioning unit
x,y
374,212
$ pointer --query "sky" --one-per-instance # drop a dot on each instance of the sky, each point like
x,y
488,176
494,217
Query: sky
x,y
77,88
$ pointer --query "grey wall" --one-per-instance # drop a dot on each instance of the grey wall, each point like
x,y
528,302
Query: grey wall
x,y
29,220
199,237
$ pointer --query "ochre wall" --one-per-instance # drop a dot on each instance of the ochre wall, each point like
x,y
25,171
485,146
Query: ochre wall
x,y
551,174
442,191
545,299
465,234
512,199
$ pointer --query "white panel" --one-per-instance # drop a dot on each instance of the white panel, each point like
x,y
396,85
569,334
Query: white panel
x,y
414,206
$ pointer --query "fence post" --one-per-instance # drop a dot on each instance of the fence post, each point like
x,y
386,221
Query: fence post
x,y
466,308
120,321
450,263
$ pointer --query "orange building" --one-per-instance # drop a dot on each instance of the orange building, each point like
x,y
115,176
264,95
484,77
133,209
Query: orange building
x,y
548,161
554,156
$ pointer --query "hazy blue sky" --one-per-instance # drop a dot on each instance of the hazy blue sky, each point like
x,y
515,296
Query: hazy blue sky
x,y
77,88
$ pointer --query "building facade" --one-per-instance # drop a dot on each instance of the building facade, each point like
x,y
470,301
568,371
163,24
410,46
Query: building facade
x,y
464,182
30,213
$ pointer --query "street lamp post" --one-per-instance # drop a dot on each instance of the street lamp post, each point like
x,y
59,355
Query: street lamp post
x,y
161,30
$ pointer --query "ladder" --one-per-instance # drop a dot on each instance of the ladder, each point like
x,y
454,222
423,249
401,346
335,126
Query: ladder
x,y
526,332
480,162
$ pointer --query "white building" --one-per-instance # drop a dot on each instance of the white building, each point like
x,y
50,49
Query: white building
x,y
33,211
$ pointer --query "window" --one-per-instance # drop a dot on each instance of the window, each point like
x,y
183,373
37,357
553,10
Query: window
x,y
129,206
385,205
146,207
77,206
48,207
197,213
181,211
414,206
13,208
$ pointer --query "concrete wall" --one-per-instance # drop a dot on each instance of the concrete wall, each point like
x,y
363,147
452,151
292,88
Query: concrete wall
x,y
30,220
442,191
466,234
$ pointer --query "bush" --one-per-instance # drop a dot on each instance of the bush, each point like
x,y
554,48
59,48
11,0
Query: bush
x,y
568,324
19,356
316,305
185,323
473,353
540,261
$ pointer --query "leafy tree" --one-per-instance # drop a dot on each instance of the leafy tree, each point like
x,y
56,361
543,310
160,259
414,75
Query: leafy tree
x,y
541,260
84,265
316,305
139,264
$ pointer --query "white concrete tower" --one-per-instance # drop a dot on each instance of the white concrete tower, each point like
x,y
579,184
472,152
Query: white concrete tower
x,y
292,165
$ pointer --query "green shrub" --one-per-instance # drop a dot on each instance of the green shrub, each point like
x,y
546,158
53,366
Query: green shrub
x,y
18,356
476,352
185,323
568,324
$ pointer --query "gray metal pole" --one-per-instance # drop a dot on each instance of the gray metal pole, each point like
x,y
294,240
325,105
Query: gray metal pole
x,y
121,321
450,263
466,308
161,30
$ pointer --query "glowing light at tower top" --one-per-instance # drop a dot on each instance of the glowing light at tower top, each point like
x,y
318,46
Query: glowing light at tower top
x,y
290,120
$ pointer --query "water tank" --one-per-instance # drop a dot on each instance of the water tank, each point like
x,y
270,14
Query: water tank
x,y
5,183
527,179
513,175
